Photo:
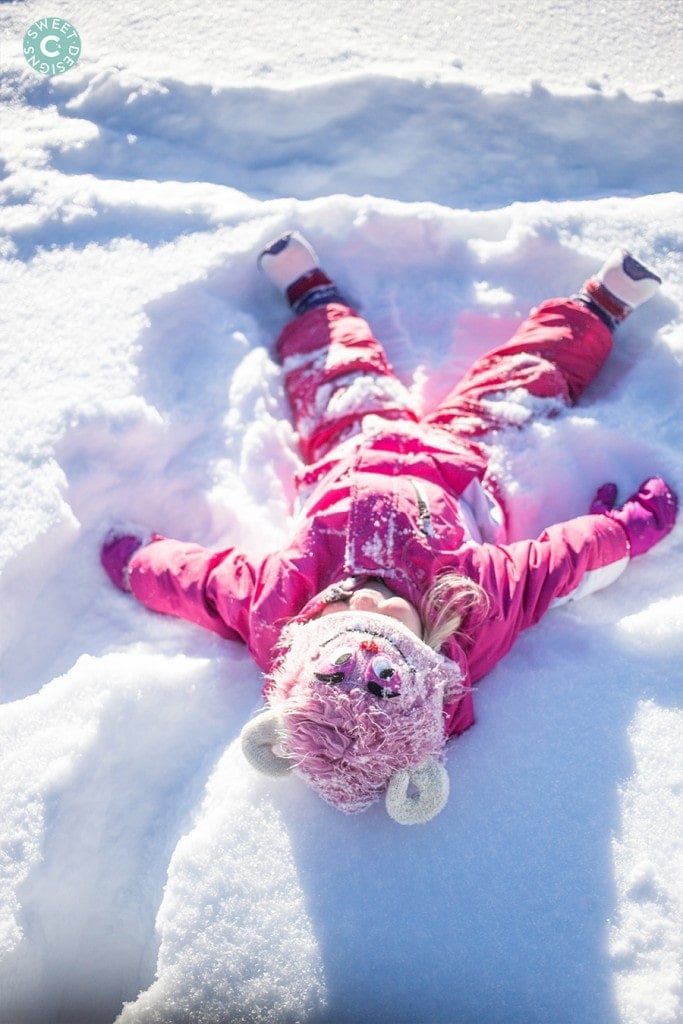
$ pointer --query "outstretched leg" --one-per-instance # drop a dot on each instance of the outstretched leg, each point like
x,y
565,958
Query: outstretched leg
x,y
554,355
336,372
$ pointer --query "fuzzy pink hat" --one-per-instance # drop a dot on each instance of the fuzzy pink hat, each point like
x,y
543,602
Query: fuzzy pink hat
x,y
356,709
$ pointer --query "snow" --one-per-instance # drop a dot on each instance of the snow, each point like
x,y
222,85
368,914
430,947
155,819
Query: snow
x,y
454,164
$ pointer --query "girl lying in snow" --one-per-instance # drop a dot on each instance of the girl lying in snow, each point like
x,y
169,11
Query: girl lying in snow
x,y
398,589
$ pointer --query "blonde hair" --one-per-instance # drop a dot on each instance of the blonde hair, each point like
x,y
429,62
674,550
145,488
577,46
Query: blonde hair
x,y
448,602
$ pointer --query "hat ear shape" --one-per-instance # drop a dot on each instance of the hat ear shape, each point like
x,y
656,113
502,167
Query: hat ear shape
x,y
430,785
258,738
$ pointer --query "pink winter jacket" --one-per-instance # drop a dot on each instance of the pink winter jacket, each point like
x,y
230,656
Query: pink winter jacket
x,y
384,504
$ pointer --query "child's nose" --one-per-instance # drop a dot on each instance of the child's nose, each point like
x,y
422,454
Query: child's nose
x,y
364,600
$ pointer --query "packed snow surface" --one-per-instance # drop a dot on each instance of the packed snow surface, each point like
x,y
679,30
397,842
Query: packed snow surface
x,y
454,164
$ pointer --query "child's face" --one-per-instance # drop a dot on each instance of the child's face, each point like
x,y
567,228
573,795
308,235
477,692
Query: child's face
x,y
359,697
379,600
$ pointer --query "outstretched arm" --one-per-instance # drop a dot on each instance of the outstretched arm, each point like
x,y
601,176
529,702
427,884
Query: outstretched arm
x,y
569,560
180,579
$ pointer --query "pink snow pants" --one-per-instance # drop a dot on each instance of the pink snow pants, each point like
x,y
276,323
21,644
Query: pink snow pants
x,y
336,373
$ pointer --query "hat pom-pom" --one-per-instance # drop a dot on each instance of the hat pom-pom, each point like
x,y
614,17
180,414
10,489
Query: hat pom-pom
x,y
259,739
415,795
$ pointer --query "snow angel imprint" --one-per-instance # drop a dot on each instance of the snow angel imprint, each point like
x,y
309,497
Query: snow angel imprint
x,y
399,587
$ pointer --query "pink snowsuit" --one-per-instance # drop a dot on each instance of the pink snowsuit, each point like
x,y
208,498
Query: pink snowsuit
x,y
392,496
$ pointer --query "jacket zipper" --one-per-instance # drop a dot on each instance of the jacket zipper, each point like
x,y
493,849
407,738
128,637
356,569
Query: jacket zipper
x,y
425,516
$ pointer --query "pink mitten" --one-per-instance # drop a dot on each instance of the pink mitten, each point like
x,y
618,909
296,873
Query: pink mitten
x,y
604,499
116,553
647,516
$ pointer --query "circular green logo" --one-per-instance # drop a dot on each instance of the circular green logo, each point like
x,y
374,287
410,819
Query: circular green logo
x,y
52,46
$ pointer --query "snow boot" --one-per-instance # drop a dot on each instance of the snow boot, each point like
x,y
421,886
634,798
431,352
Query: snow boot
x,y
621,284
291,263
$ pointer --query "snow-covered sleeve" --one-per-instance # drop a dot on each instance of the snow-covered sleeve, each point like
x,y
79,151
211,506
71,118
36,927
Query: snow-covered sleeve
x,y
213,589
526,578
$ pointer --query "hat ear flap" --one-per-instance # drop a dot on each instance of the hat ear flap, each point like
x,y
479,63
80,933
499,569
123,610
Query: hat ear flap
x,y
258,738
430,785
